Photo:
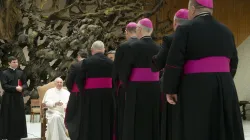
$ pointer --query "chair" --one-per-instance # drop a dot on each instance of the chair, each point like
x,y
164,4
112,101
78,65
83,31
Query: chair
x,y
41,91
243,105
34,109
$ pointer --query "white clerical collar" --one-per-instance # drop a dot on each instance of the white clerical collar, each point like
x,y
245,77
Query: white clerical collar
x,y
12,68
146,37
204,14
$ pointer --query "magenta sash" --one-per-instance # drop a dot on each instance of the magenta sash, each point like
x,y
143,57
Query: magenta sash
x,y
94,83
75,88
143,74
207,65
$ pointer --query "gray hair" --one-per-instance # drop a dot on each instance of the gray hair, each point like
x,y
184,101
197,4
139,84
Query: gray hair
x,y
180,21
199,8
58,78
131,29
98,45
146,29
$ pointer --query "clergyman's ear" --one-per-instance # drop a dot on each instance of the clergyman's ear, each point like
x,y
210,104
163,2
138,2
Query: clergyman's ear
x,y
193,9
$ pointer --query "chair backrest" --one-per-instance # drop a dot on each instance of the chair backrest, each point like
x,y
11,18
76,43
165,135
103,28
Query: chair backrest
x,y
34,103
42,90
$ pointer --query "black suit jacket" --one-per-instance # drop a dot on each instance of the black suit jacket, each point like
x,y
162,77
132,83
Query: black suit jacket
x,y
74,69
118,62
159,60
73,112
167,40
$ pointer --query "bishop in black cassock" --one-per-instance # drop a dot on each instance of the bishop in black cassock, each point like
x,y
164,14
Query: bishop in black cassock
x,y
158,63
95,85
142,104
119,90
200,68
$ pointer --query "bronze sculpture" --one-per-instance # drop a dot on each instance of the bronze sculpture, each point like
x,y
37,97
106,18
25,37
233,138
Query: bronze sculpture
x,y
53,38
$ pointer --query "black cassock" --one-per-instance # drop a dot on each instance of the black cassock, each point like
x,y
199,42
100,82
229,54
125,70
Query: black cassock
x,y
168,111
12,114
0,95
95,85
200,68
142,104
119,91
73,111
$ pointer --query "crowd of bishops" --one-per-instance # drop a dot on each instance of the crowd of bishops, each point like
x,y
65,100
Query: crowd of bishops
x,y
181,90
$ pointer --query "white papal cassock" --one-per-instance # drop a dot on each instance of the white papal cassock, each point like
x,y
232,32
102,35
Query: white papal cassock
x,y
55,114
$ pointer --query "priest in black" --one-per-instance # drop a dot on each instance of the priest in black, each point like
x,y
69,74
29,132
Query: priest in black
x,y
142,104
119,90
74,103
95,85
12,114
200,68
158,64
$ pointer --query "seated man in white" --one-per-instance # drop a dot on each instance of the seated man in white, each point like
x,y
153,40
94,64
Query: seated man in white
x,y
56,100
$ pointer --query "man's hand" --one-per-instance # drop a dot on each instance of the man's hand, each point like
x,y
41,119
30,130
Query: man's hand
x,y
59,103
171,98
19,88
